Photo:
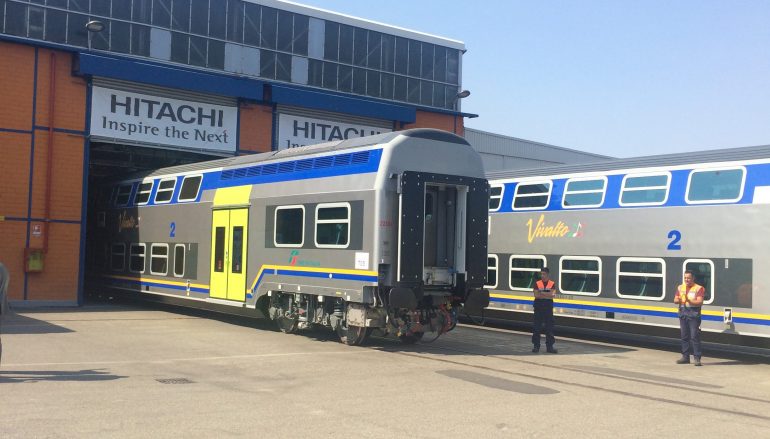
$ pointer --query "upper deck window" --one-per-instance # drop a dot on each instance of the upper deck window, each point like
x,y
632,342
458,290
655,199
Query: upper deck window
x,y
143,192
583,192
531,196
190,187
289,226
715,185
165,190
495,197
123,195
332,225
645,189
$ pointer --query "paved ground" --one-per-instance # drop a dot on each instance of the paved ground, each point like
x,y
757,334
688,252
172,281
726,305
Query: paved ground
x,y
122,371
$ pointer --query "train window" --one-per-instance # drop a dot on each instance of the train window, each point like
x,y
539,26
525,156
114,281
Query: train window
x,y
715,186
237,256
123,195
584,192
525,271
165,190
289,226
495,197
118,257
580,275
179,254
641,278
190,187
219,249
143,192
703,271
644,189
491,271
531,196
136,258
159,259
332,225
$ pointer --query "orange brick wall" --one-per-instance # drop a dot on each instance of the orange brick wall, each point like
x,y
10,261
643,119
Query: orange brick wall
x,y
18,136
446,122
256,127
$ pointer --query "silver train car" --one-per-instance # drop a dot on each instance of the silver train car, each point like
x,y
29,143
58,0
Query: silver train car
x,y
387,233
618,236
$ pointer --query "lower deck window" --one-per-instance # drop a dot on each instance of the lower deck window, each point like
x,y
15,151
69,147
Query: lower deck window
x,y
136,260
179,254
580,275
159,259
491,271
525,271
703,272
641,278
332,225
118,257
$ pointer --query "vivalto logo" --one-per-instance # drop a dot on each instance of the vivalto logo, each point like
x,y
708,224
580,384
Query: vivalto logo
x,y
293,257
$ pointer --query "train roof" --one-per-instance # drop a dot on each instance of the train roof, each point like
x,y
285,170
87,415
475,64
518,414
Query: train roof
x,y
652,161
358,142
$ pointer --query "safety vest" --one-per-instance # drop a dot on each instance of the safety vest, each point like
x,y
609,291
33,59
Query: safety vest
x,y
540,286
681,290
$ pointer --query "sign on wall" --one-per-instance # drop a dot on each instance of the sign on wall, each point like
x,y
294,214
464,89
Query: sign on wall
x,y
294,131
137,117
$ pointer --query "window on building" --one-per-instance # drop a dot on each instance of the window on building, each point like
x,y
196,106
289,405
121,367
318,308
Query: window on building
x,y
531,196
580,275
191,185
525,271
703,273
136,258
179,256
641,278
584,192
715,185
118,256
492,264
143,192
644,190
289,226
159,259
495,197
332,225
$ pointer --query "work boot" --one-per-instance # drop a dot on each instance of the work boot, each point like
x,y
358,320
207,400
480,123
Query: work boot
x,y
683,360
536,349
551,350
697,361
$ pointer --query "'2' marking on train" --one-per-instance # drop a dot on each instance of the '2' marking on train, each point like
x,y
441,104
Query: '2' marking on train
x,y
674,236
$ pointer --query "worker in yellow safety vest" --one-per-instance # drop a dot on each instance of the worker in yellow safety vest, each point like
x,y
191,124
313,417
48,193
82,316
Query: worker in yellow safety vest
x,y
689,296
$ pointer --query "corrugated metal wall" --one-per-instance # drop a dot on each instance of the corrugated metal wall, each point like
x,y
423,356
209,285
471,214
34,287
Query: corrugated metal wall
x,y
501,153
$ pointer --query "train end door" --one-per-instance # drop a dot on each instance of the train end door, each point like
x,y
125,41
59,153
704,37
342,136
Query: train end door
x,y
229,229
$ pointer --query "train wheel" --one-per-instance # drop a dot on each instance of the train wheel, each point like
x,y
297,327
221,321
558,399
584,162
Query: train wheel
x,y
353,335
287,325
411,338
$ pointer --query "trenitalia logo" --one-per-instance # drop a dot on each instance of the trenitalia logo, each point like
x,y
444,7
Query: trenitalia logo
x,y
558,230
293,257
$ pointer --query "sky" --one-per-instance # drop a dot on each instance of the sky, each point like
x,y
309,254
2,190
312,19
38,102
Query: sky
x,y
615,77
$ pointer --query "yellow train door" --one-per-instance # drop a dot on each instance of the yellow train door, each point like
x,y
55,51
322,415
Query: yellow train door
x,y
229,238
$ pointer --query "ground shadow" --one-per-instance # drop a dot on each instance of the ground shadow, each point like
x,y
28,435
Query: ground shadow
x,y
23,324
33,376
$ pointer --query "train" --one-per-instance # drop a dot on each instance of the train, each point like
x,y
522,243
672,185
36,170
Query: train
x,y
383,233
617,236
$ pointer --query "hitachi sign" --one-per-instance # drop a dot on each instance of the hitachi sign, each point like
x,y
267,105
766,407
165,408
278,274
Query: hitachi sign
x,y
151,109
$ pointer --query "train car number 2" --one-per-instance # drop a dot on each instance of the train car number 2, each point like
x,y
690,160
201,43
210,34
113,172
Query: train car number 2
x,y
172,230
674,236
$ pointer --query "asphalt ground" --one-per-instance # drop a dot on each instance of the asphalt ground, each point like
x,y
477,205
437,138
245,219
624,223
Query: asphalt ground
x,y
117,370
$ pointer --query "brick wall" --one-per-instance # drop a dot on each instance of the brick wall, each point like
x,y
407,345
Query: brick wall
x,y
256,127
24,149
446,122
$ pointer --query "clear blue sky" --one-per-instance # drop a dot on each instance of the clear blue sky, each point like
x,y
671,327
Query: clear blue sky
x,y
615,77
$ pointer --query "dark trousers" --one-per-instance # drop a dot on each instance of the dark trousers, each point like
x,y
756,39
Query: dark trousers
x,y
543,315
689,326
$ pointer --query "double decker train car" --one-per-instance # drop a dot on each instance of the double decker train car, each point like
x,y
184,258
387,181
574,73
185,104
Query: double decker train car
x,y
618,236
386,232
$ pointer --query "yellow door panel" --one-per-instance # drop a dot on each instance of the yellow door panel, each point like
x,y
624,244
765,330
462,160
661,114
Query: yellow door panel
x,y
220,227
236,277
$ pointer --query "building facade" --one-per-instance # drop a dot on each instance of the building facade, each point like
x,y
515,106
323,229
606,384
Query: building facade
x,y
96,88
